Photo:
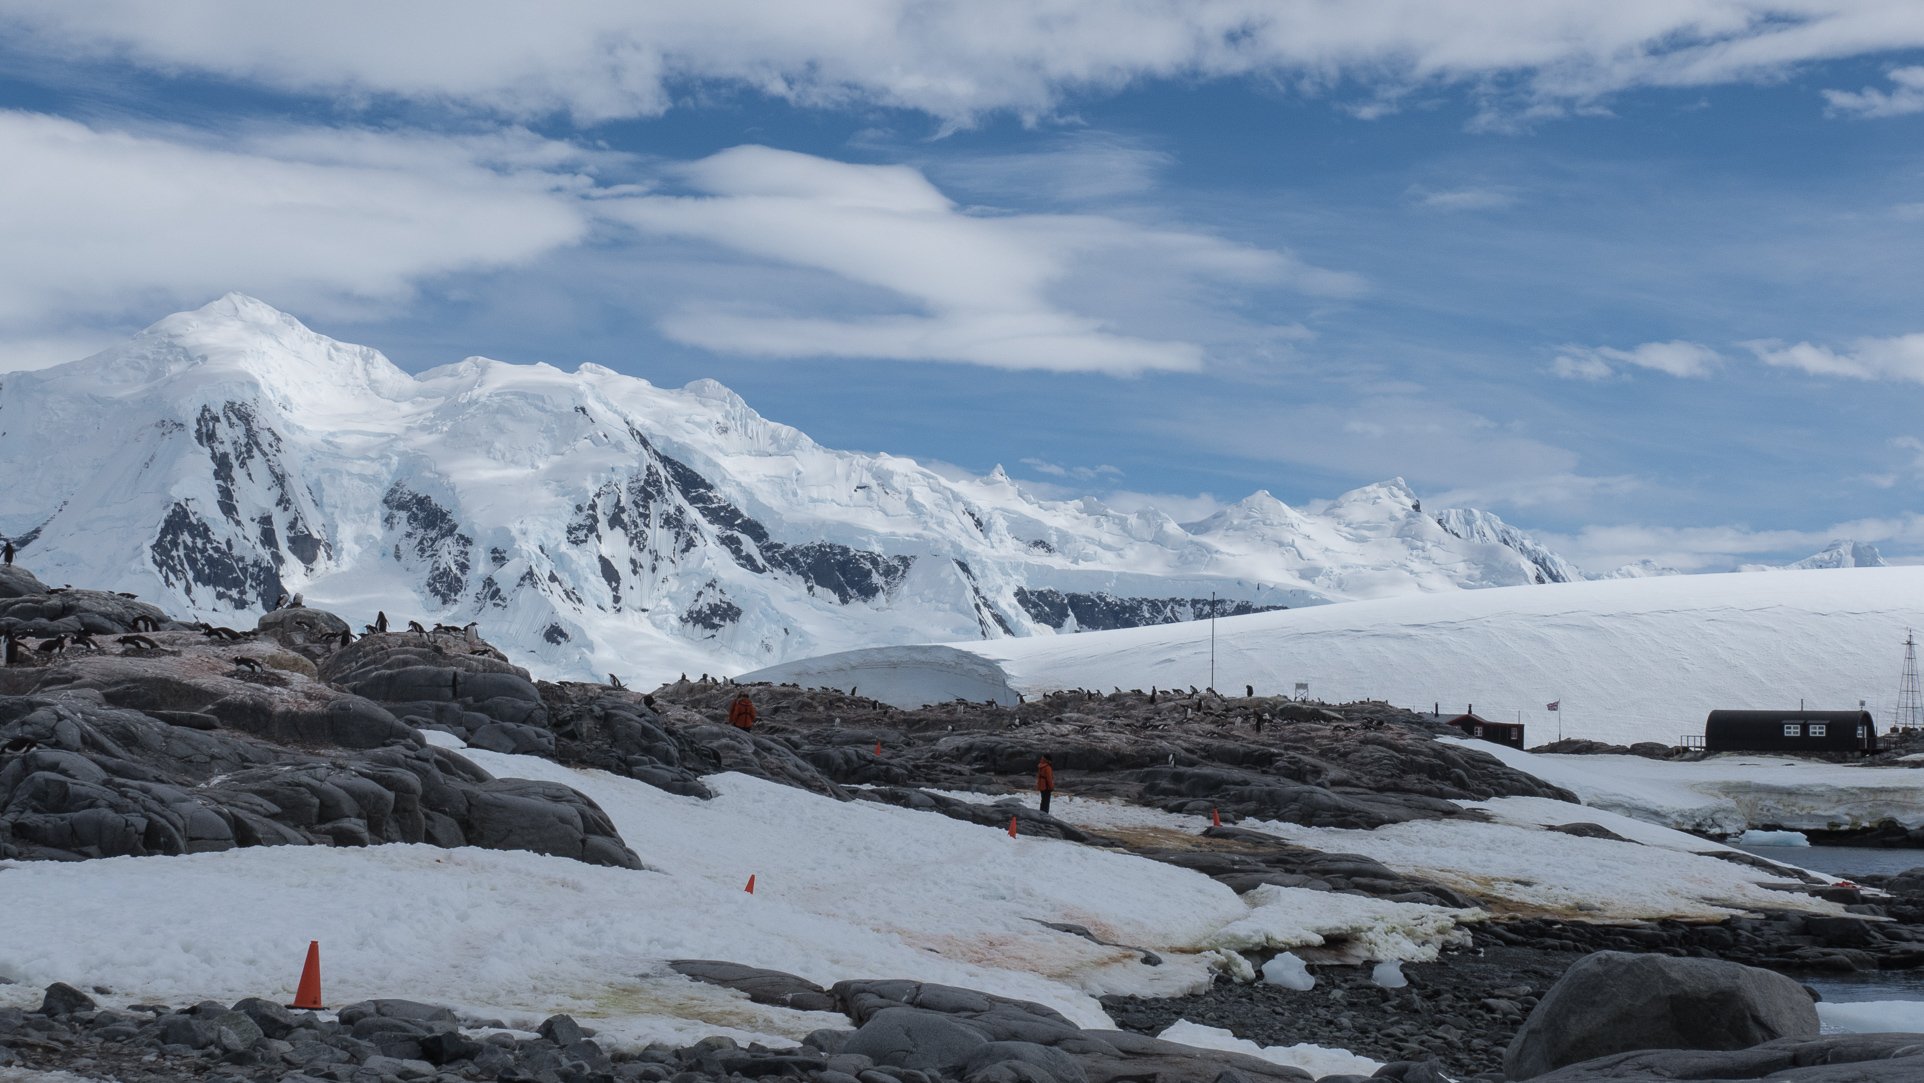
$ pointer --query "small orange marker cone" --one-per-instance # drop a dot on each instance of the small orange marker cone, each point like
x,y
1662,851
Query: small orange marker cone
x,y
307,996
1215,818
1012,827
878,748
751,884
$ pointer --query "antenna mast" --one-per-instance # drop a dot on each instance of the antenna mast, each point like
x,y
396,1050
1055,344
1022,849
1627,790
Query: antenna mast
x,y
1910,704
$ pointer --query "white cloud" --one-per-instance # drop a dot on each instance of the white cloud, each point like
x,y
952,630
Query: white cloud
x,y
1905,96
979,286
1078,473
1582,367
1463,199
1677,358
1900,357
602,59
110,222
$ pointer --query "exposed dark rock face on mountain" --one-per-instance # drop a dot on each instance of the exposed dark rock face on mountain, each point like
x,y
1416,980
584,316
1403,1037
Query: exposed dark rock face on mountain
x,y
1099,612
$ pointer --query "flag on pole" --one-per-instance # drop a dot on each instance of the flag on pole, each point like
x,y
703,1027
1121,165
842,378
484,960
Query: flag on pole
x,y
1554,705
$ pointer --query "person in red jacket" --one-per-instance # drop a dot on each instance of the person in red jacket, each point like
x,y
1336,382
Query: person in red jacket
x,y
741,713
1045,780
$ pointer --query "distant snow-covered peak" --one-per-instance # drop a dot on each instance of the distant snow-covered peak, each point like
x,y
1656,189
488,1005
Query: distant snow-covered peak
x,y
1840,553
1256,511
239,340
1642,569
1392,499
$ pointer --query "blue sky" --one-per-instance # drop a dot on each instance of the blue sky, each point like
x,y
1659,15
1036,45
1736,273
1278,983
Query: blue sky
x,y
1641,278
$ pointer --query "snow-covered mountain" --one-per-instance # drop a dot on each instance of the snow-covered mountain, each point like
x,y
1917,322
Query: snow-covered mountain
x,y
1841,553
598,523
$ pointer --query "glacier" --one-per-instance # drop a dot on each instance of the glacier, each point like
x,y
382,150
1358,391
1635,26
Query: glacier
x,y
1626,660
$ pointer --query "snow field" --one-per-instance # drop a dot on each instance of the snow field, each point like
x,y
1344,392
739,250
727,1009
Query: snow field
x,y
844,890
1628,659
1726,794
1513,860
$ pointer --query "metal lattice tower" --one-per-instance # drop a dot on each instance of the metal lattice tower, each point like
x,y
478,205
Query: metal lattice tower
x,y
1910,704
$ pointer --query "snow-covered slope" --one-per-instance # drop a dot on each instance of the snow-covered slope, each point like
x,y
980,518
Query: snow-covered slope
x,y
1626,659
593,522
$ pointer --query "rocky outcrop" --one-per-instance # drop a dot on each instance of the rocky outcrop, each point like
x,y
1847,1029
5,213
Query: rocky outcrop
x,y
173,741
1846,1058
1615,1002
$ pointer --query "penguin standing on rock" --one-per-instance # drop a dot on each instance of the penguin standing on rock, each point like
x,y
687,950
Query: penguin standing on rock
x,y
380,620
7,553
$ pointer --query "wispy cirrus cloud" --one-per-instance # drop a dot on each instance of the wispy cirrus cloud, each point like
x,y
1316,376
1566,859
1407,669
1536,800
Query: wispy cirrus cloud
x,y
1906,95
950,283
1676,358
134,221
1898,357
1463,199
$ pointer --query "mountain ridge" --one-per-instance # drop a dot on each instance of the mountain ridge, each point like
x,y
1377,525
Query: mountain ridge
x,y
596,522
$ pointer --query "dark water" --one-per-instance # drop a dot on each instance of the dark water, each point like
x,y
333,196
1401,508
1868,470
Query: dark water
x,y
1848,861
1871,985
1842,860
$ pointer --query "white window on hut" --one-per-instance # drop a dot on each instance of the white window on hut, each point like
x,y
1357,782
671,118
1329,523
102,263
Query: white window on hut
x,y
1818,729
1792,729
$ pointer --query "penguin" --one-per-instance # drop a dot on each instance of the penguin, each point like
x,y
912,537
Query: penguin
x,y
471,632
369,629
9,649
279,601
52,646
347,636
85,639
21,745
415,626
380,620
7,553
647,700
251,665
1249,691
615,682
139,641
296,602
126,594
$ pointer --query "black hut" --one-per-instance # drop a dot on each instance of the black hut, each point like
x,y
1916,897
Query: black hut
x,y
1790,731
1503,733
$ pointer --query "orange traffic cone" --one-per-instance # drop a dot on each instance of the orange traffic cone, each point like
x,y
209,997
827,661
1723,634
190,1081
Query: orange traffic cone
x,y
878,748
1012,827
1215,818
751,884
308,995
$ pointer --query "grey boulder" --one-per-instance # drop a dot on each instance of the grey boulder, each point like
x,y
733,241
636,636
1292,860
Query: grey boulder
x,y
1618,1002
